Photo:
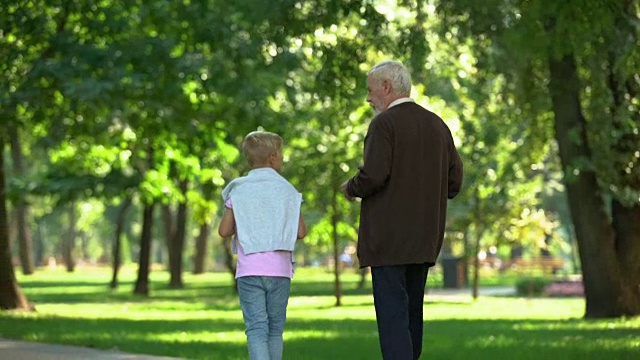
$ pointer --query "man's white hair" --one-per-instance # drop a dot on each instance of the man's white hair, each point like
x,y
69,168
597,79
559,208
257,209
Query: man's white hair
x,y
394,72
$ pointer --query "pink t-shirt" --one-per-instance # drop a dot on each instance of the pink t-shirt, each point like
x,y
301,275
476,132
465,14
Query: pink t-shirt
x,y
268,263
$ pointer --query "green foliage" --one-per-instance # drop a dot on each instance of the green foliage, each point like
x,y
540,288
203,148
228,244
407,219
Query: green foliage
x,y
517,39
531,286
124,99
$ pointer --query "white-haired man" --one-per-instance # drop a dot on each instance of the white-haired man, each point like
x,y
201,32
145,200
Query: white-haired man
x,y
410,169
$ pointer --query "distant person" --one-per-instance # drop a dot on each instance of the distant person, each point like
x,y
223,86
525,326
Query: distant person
x,y
263,211
346,261
410,169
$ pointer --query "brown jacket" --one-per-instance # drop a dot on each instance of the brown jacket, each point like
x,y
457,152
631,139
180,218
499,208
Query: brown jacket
x,y
411,167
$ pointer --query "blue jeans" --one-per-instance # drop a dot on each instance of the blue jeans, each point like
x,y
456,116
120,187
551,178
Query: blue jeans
x,y
263,300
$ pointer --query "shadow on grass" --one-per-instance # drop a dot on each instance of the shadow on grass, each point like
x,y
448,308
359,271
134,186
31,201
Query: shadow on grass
x,y
96,292
467,339
337,339
220,297
158,337
43,284
310,334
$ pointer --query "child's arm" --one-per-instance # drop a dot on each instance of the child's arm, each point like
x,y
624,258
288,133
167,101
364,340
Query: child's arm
x,y
227,224
302,228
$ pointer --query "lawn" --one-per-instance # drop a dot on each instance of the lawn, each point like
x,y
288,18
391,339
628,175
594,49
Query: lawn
x,y
203,320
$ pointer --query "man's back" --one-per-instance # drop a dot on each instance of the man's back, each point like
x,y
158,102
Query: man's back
x,y
402,222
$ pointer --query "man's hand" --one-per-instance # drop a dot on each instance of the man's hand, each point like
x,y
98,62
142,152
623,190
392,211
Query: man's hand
x,y
343,187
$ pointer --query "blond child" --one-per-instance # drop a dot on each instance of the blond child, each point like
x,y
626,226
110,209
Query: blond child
x,y
263,212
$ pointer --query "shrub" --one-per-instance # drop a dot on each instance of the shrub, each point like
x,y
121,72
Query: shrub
x,y
533,286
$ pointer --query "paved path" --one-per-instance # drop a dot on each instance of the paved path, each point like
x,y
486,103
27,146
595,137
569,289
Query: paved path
x,y
465,294
22,350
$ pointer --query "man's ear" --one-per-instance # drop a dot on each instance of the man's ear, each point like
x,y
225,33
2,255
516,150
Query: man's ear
x,y
386,85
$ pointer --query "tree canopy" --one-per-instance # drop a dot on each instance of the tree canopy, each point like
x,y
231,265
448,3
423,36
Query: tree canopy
x,y
146,103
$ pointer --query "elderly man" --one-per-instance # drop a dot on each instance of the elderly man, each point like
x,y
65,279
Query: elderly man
x,y
411,167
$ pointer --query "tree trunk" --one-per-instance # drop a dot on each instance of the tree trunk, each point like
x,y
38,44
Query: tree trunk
x,y
38,243
169,230
25,242
117,241
626,217
363,277
142,283
626,222
69,242
601,273
167,221
336,246
11,296
176,246
478,233
200,257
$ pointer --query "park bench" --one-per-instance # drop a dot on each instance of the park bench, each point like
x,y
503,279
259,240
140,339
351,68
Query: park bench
x,y
546,265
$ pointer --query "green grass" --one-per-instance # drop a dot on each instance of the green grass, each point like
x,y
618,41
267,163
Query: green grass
x,y
203,321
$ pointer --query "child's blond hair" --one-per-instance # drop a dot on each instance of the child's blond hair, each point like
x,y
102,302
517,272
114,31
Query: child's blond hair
x,y
259,145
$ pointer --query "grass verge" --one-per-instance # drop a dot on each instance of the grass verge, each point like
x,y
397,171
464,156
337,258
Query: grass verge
x,y
204,321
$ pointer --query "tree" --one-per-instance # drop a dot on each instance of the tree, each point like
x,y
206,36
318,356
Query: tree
x,y
11,296
25,242
330,95
503,180
555,54
144,262
117,241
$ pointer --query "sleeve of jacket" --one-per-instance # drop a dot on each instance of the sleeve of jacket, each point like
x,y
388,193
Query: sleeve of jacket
x,y
378,155
455,173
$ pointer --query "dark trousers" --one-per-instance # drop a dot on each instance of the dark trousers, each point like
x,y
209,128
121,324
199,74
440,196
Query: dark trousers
x,y
398,295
